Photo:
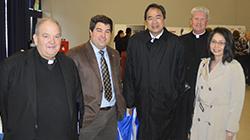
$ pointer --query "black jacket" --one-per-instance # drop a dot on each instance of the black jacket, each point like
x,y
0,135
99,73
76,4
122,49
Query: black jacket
x,y
18,103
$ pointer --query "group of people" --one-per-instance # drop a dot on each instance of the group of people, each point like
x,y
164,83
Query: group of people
x,y
187,87
242,51
121,44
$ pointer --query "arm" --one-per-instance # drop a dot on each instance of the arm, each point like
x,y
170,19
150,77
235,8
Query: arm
x,y
3,91
79,98
236,98
128,87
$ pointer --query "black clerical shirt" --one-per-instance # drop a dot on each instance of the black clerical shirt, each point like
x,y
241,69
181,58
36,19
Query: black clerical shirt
x,y
52,105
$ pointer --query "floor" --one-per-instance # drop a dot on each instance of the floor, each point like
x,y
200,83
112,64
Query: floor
x,y
244,132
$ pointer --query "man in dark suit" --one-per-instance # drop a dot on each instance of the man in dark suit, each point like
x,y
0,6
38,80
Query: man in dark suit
x,y
195,48
154,76
40,90
99,70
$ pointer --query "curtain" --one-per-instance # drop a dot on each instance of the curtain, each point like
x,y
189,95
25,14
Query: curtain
x,y
18,25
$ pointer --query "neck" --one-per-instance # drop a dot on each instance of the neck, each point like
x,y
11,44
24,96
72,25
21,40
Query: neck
x,y
217,59
199,33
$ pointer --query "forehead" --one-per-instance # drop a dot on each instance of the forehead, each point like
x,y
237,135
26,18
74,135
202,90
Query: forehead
x,y
100,25
199,14
48,27
153,11
218,36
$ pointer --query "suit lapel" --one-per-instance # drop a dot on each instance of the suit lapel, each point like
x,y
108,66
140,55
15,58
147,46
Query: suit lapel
x,y
30,72
92,60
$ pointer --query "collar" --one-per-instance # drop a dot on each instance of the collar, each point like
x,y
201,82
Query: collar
x,y
45,61
198,35
96,50
158,36
155,37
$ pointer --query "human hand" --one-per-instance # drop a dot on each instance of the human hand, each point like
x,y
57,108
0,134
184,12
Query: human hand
x,y
129,111
229,135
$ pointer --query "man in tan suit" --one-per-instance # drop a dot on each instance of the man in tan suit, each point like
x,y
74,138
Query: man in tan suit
x,y
99,70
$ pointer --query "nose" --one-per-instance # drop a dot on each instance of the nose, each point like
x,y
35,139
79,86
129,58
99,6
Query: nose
x,y
52,40
103,34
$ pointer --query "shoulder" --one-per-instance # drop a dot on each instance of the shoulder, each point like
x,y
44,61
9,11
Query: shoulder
x,y
77,49
18,58
113,51
187,35
234,65
204,62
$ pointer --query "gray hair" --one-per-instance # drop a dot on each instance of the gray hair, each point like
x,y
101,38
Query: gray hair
x,y
200,9
42,20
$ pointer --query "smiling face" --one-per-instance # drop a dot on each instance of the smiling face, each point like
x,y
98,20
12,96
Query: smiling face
x,y
217,46
48,39
101,34
154,21
199,22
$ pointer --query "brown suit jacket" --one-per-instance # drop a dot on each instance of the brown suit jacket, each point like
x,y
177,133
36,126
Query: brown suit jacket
x,y
85,60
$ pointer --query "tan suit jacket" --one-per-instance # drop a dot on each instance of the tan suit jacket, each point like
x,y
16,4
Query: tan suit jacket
x,y
85,60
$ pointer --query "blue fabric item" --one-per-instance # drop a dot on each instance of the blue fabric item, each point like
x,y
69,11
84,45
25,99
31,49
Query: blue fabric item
x,y
1,136
128,127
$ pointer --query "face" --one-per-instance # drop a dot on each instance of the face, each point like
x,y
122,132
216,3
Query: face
x,y
48,40
217,45
101,35
154,21
199,22
122,34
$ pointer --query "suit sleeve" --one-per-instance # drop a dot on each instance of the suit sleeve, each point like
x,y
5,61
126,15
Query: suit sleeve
x,y
128,87
3,91
236,97
79,98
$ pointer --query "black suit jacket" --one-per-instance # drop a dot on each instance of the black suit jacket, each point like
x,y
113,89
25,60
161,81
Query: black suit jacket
x,y
18,103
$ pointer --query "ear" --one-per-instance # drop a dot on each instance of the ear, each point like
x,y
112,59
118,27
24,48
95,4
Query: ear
x,y
90,33
35,39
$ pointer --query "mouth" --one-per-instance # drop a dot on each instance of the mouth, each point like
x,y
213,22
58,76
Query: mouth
x,y
217,51
51,47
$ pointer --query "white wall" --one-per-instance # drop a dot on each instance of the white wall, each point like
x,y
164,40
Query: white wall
x,y
74,15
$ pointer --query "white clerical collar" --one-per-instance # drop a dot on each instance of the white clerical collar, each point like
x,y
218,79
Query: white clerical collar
x,y
51,61
155,37
198,35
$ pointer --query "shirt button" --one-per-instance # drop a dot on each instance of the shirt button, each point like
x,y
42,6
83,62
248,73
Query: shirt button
x,y
36,126
210,89
209,123
199,119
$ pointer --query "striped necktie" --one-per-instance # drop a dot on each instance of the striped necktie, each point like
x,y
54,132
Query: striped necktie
x,y
105,77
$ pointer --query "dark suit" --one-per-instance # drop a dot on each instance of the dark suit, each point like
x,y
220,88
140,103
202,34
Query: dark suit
x,y
87,65
18,95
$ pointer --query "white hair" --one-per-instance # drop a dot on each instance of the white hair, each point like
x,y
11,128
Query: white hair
x,y
200,9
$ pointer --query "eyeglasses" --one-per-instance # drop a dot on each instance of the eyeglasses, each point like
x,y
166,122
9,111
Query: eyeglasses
x,y
219,43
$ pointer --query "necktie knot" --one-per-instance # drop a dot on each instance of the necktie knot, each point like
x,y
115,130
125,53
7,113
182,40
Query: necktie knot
x,y
101,52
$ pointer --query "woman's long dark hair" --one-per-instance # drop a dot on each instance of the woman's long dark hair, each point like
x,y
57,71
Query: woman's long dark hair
x,y
228,49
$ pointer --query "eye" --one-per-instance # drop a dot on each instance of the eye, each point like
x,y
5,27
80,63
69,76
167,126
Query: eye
x,y
58,36
221,43
159,17
98,30
108,31
45,35
150,18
